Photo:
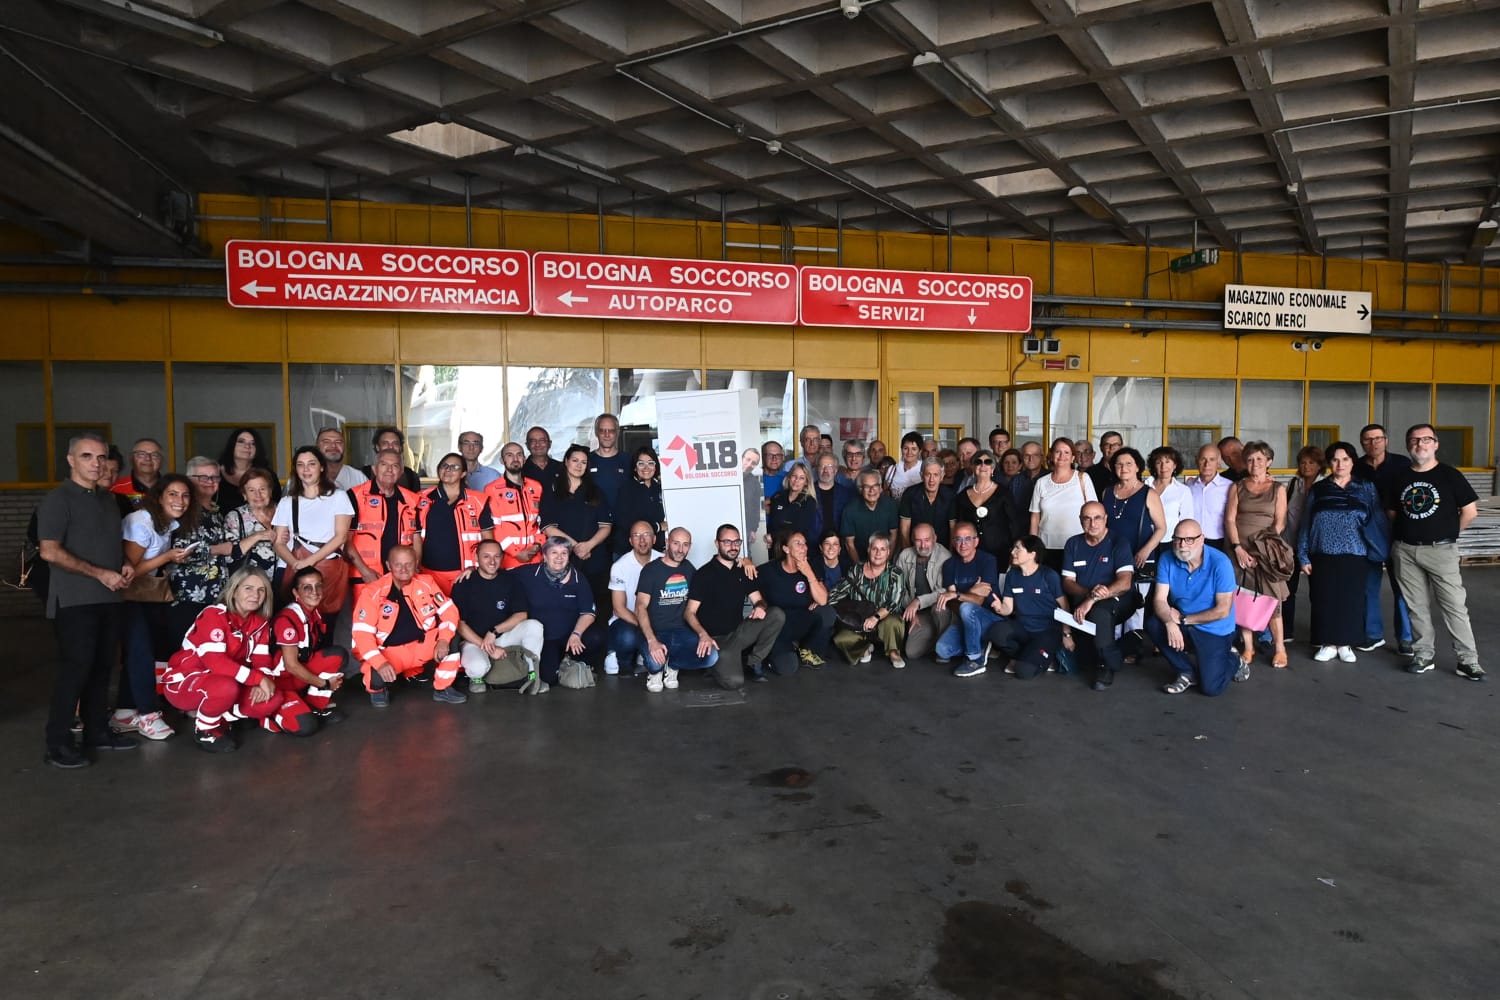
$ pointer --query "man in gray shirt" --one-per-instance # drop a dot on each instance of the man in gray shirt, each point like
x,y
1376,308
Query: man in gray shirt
x,y
78,528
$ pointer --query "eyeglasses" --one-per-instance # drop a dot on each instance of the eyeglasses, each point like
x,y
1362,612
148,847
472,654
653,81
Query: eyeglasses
x,y
1373,437
964,539
450,467
1188,540
642,534
645,463
205,479
730,543
1424,439
471,444
853,454
153,455
870,486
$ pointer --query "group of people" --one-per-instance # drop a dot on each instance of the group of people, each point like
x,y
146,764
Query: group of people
x,y
215,591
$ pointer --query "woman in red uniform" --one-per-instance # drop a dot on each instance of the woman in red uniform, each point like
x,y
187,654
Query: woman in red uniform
x,y
309,666
223,672
453,520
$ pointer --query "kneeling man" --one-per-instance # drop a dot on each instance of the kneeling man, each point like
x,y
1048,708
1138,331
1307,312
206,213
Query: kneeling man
x,y
501,645
402,623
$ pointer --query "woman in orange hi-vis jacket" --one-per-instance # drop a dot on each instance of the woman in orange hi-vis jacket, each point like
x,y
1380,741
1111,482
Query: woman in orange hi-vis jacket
x,y
223,670
403,622
451,522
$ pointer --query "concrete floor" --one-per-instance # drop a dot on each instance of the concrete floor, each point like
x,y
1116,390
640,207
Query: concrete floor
x,y
1329,830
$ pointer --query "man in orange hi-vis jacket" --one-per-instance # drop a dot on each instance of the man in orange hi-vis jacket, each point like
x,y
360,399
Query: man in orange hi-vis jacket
x,y
402,622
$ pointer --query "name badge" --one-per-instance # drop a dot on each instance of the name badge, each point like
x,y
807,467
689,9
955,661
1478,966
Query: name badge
x,y
1081,562
1018,590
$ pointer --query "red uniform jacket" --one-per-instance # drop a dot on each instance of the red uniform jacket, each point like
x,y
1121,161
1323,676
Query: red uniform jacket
x,y
221,642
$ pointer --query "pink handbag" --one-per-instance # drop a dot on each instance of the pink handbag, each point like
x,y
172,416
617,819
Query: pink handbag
x,y
1251,610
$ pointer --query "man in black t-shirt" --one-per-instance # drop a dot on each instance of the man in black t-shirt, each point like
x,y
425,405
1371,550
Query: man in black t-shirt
x,y
1380,467
716,607
1430,503
492,622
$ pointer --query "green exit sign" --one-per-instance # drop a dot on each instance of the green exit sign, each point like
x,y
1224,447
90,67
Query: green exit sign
x,y
1195,260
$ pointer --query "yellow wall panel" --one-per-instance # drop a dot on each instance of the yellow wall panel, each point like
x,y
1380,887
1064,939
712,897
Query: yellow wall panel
x,y
374,224
349,337
1270,356
1264,269
653,345
535,340
976,355
1117,272
442,338
1208,354
1397,361
1120,352
767,348
1341,358
86,327
1464,364
1075,269
822,348
25,328
202,330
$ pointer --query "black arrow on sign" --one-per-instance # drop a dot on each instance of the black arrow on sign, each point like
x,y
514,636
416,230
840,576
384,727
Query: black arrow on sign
x,y
1364,311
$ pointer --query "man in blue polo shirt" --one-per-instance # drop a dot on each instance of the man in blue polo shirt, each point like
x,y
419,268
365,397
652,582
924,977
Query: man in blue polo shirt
x,y
969,578
1097,571
1192,610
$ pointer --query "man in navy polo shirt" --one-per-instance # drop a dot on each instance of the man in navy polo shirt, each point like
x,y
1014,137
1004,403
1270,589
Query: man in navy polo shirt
x,y
969,578
1097,571
1192,610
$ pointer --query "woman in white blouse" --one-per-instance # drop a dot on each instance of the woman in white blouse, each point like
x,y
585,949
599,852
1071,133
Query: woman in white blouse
x,y
1176,499
312,523
1056,500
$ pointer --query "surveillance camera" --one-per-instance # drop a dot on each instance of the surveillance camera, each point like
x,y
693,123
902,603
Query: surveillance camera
x,y
850,8
773,147
1298,345
1317,345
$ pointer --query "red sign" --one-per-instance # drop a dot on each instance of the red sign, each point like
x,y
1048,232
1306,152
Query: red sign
x,y
915,300
684,291
265,274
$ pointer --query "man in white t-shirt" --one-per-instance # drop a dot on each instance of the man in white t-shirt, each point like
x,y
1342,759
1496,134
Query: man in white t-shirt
x,y
331,446
626,641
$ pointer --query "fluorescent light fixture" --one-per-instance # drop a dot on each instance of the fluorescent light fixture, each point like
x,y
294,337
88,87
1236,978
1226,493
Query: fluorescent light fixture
x,y
563,161
1089,205
947,80
139,15
1484,234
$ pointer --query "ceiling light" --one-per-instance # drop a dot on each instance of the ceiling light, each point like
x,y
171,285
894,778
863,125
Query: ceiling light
x,y
1089,205
1484,234
947,80
146,18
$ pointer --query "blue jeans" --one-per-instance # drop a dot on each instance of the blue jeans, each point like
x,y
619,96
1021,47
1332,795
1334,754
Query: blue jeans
x,y
682,651
1216,660
1374,626
967,635
625,641
143,623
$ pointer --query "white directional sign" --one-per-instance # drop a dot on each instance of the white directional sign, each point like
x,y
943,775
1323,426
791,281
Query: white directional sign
x,y
1296,310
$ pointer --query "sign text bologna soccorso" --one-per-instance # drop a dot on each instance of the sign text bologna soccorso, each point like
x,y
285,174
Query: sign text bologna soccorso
x,y
269,274
915,300
598,286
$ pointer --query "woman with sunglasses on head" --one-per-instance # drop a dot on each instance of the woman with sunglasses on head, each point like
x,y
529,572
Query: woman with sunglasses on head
x,y
640,499
451,522
795,506
989,507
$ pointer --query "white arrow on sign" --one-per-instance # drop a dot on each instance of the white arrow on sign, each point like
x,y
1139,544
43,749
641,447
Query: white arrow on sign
x,y
254,289
568,298
972,316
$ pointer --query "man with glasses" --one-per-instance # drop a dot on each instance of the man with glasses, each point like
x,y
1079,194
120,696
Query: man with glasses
x,y
626,641
871,513
812,442
921,569
541,466
1431,503
772,470
854,461
1097,576
146,457
1381,468
391,439
1099,472
1192,611
470,444
716,607
330,444
608,465
969,578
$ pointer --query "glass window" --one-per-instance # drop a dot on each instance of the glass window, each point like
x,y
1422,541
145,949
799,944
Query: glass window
x,y
842,408
1463,425
357,398
210,400
440,402
1199,410
1272,412
124,400
773,389
1398,405
968,412
914,413
1069,410
632,392
1028,408
1131,406
1336,411
23,430
565,401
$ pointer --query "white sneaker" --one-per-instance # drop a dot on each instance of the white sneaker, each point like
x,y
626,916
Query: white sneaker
x,y
123,721
1346,654
653,683
152,726
669,678
611,663
1326,653
897,661
868,654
